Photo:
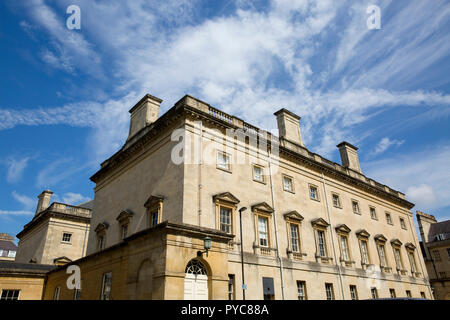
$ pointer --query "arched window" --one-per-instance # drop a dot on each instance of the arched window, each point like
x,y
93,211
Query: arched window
x,y
196,267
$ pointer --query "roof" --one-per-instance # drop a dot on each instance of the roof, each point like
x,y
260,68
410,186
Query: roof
x,y
7,245
12,267
203,109
88,204
438,228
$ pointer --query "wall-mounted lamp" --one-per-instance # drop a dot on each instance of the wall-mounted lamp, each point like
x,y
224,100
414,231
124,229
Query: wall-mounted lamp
x,y
206,246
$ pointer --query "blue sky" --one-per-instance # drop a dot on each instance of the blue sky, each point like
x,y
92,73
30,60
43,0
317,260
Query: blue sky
x,y
65,94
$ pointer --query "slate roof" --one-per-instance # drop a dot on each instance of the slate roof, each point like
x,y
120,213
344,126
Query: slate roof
x,y
88,204
439,228
7,245
11,267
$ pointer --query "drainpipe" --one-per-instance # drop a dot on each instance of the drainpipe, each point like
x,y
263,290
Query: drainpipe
x,y
332,236
83,253
200,186
275,223
242,251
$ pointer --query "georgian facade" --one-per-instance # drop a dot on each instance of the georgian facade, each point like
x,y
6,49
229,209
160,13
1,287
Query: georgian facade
x,y
311,228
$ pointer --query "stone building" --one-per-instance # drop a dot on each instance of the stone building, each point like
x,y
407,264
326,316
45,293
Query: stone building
x,y
435,247
22,281
8,248
56,235
312,228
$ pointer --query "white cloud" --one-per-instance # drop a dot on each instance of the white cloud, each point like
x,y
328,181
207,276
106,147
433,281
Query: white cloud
x,y
57,171
27,202
15,213
15,169
28,205
230,61
422,175
71,198
385,144
423,194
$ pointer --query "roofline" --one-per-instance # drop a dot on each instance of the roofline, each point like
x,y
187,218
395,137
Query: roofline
x,y
180,107
345,143
48,214
201,231
283,110
147,96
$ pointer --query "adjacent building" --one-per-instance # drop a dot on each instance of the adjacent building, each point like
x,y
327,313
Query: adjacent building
x,y
168,207
22,281
8,248
57,234
435,247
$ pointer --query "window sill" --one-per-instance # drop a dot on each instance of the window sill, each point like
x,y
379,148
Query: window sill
x,y
225,170
347,263
290,191
262,182
264,251
358,213
386,269
292,255
64,242
315,199
337,207
323,259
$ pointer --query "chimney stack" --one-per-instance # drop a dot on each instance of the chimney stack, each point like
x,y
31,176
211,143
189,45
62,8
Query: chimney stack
x,y
7,237
349,156
289,126
145,112
44,201
424,221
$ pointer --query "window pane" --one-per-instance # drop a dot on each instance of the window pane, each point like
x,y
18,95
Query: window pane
x,y
223,160
364,254
301,292
373,213
294,238
382,255
262,227
313,192
329,291
257,173
321,240
398,259
225,220
106,287
336,201
355,207
344,248
353,293
287,183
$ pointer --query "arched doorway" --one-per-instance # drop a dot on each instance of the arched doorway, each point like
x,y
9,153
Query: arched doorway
x,y
196,281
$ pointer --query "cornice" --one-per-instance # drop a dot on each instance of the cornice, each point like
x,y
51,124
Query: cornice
x,y
51,214
180,109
